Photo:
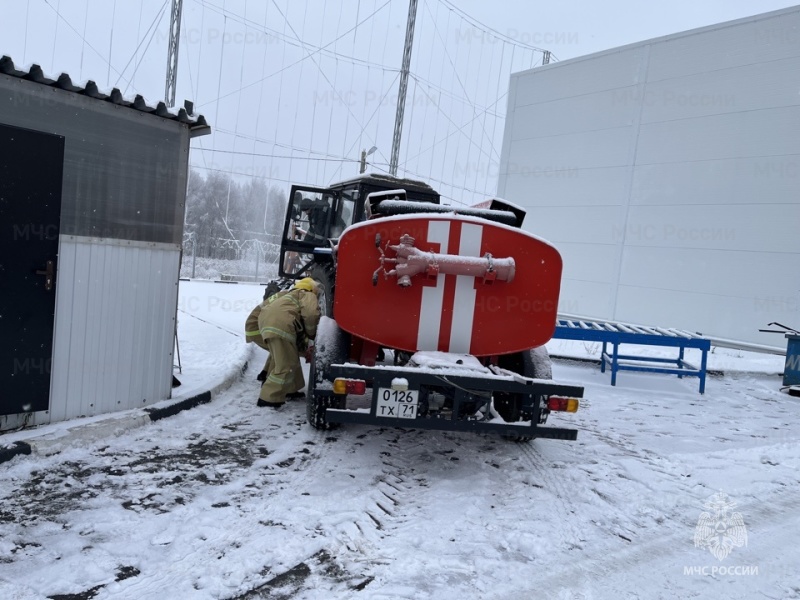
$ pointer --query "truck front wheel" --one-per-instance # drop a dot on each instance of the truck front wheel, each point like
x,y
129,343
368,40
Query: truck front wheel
x,y
332,346
326,277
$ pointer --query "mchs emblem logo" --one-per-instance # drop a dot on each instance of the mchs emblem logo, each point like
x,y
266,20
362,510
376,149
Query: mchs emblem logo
x,y
720,529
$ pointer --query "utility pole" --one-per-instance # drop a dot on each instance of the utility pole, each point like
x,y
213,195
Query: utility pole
x,y
172,52
401,93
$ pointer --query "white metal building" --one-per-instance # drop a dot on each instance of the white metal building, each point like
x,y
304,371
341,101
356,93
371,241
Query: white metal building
x,y
667,173
92,194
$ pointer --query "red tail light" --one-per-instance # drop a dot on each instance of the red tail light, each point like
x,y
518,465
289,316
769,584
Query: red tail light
x,y
356,386
349,386
558,403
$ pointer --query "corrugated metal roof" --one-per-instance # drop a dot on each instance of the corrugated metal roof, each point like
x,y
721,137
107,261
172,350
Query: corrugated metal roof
x,y
197,125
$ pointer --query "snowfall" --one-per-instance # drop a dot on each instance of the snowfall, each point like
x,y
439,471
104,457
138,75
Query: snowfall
x,y
231,501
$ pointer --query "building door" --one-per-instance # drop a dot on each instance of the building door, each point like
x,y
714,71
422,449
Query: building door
x,y
31,167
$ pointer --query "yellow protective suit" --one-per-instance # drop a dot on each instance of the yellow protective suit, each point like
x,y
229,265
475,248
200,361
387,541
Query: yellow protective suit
x,y
283,318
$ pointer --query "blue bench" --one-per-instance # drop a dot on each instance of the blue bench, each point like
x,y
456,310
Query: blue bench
x,y
617,334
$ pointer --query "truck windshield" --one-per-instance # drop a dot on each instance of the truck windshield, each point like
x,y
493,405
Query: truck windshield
x,y
311,213
345,211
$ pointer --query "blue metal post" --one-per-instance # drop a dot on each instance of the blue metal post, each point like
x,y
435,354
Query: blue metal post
x,y
614,360
703,372
603,359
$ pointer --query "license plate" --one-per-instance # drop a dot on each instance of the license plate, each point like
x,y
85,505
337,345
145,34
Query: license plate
x,y
397,404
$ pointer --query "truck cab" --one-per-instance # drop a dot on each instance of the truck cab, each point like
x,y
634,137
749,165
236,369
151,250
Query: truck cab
x,y
316,217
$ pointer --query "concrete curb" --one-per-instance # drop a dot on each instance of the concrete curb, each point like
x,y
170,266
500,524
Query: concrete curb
x,y
113,426
169,408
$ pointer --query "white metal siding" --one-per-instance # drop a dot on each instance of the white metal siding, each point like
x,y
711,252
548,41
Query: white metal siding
x,y
668,175
114,328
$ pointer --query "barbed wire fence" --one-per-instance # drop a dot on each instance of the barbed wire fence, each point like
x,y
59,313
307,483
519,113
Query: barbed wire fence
x,y
231,259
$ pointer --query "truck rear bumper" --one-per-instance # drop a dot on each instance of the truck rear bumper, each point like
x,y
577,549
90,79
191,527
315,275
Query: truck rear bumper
x,y
465,388
339,415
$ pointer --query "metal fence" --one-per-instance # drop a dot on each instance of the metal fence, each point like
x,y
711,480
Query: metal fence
x,y
230,260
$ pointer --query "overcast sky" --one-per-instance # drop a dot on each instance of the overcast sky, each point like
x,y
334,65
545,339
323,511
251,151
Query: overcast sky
x,y
269,97
591,26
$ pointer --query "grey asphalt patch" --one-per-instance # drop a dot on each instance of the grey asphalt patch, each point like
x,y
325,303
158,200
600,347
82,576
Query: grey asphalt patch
x,y
17,449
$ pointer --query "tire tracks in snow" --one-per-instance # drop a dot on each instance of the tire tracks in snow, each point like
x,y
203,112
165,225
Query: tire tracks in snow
x,y
587,491
394,491
614,573
392,494
549,474
348,539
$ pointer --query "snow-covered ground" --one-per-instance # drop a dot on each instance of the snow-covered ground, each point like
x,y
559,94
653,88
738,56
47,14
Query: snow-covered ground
x,y
231,501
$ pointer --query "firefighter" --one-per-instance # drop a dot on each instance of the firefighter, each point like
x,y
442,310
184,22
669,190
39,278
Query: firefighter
x,y
287,321
252,336
316,211
251,333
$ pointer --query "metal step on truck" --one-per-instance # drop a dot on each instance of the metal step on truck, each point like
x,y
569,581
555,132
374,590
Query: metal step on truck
x,y
434,317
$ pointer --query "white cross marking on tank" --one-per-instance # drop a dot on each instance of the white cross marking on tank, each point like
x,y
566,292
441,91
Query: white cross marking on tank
x,y
464,302
430,314
430,317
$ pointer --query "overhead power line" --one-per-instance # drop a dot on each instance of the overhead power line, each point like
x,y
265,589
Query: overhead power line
x,y
295,41
304,46
241,153
488,30
68,24
459,103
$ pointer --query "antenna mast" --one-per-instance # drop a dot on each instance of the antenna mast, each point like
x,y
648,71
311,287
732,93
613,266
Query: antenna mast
x,y
172,52
401,93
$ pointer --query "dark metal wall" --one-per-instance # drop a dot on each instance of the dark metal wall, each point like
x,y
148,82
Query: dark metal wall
x,y
124,170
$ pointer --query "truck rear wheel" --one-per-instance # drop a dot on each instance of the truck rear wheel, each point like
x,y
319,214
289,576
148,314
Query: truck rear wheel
x,y
534,363
332,346
316,411
538,364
